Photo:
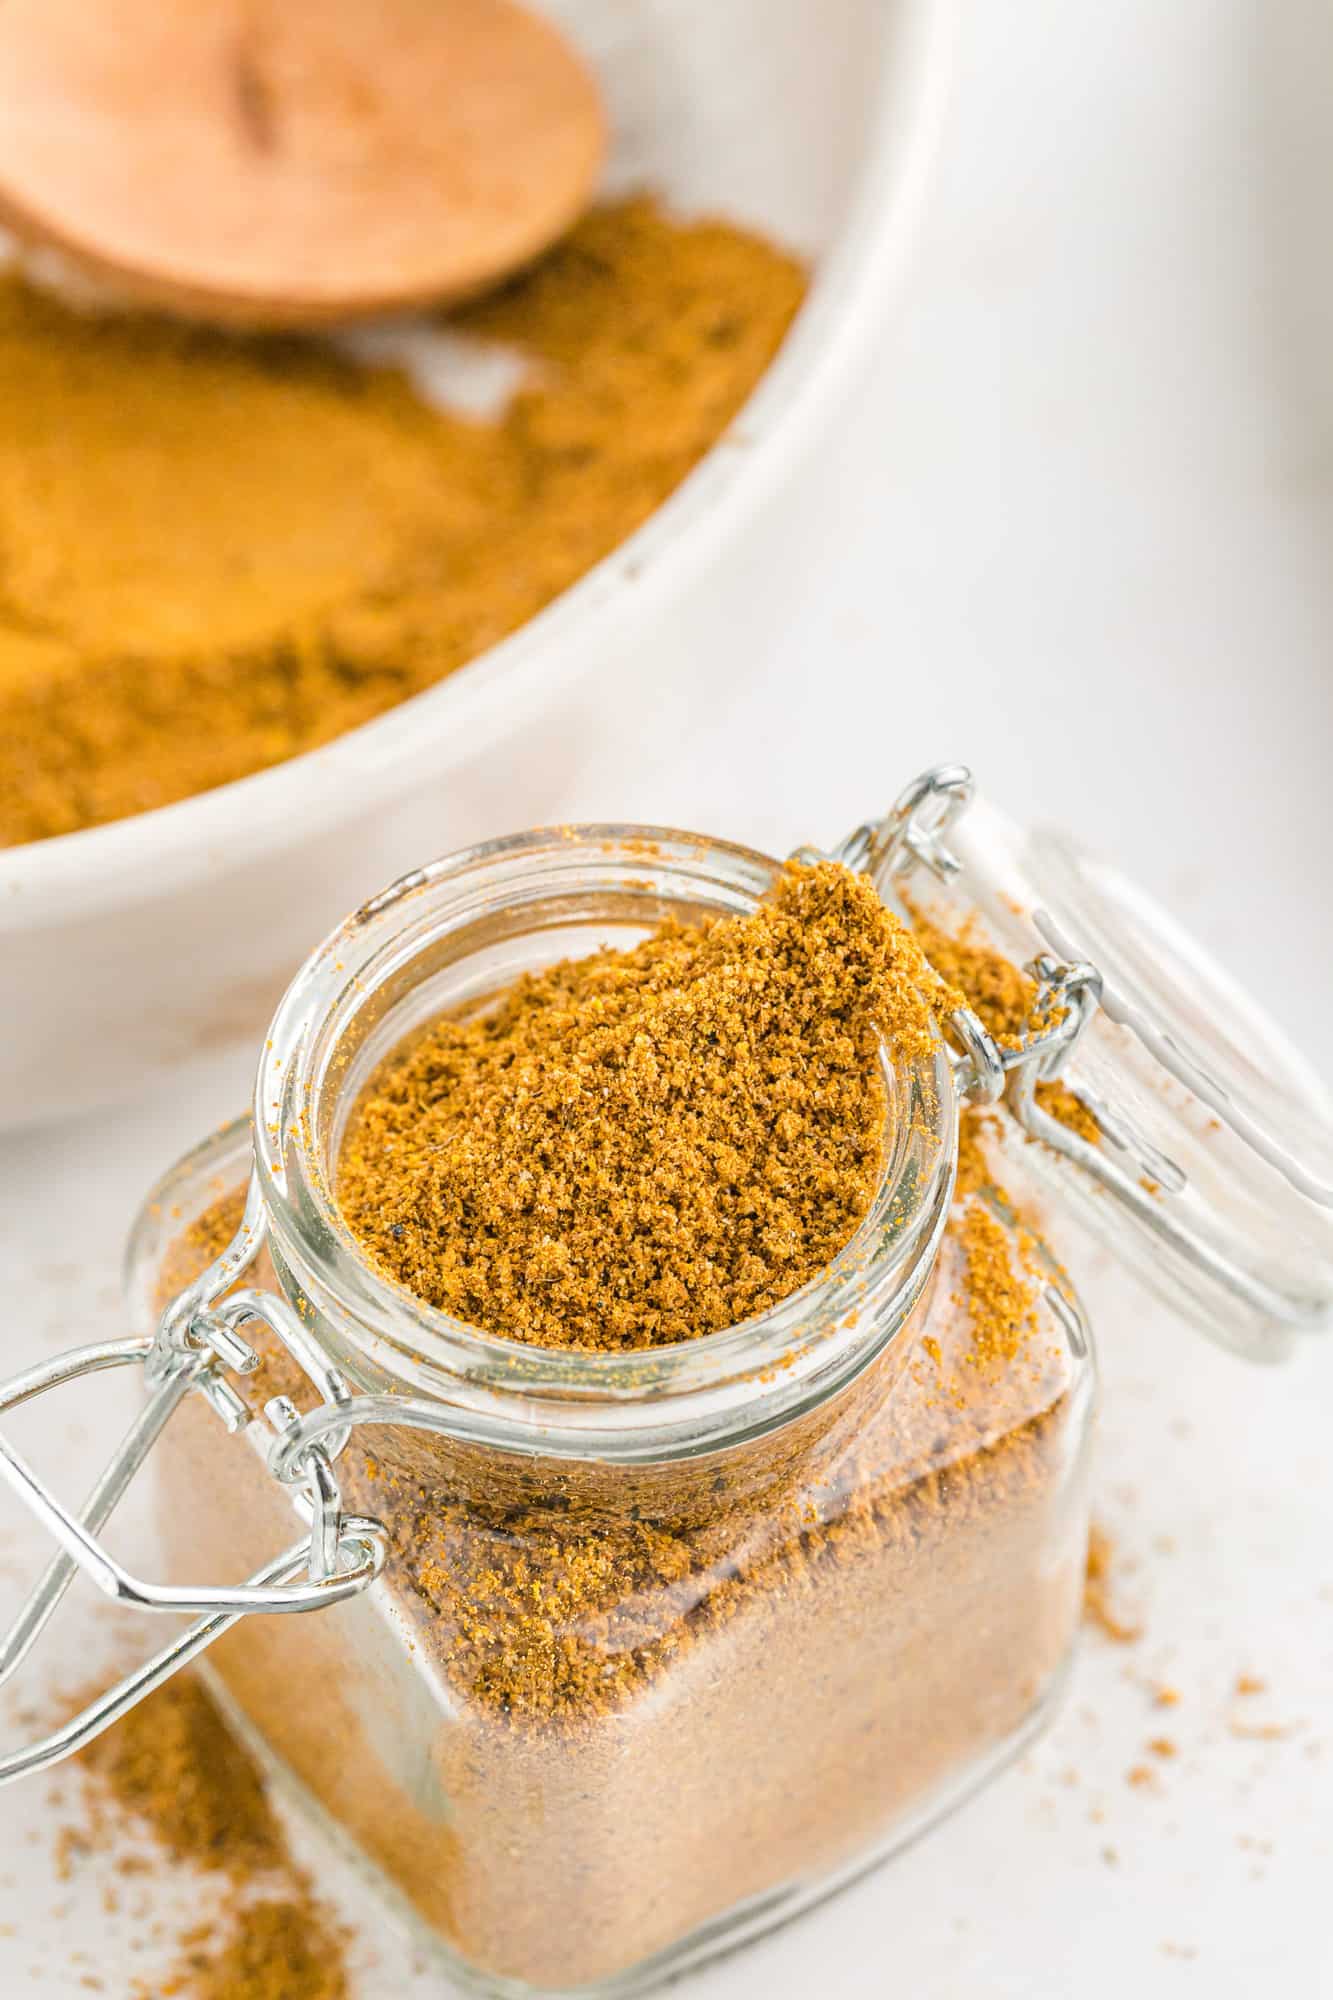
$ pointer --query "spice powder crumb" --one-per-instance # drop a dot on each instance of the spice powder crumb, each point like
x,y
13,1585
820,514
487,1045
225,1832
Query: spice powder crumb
x,y
1001,1302
278,1949
173,1766
1097,1605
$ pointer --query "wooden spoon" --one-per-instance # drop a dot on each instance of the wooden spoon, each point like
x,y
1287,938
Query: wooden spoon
x,y
290,162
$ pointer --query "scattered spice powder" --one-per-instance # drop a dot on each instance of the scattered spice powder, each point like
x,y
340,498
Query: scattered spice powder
x,y
171,1768
1264,1732
640,1147
220,552
279,1949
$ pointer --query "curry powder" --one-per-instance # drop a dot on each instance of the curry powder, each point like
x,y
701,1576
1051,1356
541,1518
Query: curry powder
x,y
218,552
640,1147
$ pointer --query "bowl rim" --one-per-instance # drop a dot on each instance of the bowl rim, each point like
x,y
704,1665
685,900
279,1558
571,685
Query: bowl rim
x,y
168,848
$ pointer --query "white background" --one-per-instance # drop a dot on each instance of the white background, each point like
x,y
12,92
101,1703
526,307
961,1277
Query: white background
x,y
1082,541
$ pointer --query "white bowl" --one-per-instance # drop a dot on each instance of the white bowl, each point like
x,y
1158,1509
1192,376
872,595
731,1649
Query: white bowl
x,y
129,949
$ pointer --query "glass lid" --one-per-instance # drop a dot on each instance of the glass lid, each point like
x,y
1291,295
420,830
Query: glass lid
x,y
1206,1160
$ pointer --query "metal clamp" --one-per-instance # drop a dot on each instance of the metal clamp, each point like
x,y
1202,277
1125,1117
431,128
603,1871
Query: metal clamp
x,y
911,836
1070,993
913,831
198,1338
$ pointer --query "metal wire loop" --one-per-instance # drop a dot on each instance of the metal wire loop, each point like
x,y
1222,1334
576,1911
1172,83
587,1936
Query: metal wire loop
x,y
913,831
198,1338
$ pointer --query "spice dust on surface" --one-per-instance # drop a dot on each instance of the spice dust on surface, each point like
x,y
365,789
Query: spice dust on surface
x,y
1004,1000
173,1771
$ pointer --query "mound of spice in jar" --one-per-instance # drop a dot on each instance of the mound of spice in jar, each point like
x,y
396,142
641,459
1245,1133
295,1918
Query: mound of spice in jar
x,y
600,1707
642,1147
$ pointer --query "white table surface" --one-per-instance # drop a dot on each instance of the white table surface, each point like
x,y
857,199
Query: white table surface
x,y
1083,543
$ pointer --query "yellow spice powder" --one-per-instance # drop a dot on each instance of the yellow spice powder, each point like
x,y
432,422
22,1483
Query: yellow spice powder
x,y
217,552
644,1146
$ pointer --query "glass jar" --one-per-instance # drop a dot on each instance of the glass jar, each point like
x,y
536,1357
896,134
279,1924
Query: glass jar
x,y
623,1658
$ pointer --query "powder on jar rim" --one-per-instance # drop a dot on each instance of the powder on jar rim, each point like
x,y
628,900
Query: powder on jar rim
x,y
218,552
1002,1302
645,1146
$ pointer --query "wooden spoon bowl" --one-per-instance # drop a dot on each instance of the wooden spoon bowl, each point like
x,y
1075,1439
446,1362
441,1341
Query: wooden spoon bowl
x,y
292,162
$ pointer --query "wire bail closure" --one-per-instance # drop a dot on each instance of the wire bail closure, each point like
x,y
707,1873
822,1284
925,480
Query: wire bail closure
x,y
1070,994
912,836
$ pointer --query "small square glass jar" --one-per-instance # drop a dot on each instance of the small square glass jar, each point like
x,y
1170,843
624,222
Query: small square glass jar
x,y
620,1659
667,1643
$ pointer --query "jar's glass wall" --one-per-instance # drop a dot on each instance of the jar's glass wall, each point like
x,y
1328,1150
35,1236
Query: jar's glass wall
x,y
586,1740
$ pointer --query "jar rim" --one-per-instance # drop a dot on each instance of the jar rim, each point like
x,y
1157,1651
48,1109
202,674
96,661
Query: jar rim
x,y
337,1019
